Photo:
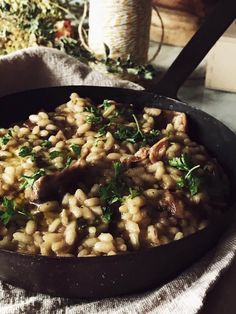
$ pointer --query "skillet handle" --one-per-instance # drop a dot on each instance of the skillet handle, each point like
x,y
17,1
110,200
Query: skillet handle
x,y
193,53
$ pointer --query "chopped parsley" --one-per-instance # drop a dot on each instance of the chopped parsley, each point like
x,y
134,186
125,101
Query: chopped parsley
x,y
46,144
95,116
189,180
151,137
9,206
6,138
112,192
25,151
93,119
126,111
106,214
29,180
76,149
68,162
54,154
135,135
102,131
10,211
106,104
133,192
125,133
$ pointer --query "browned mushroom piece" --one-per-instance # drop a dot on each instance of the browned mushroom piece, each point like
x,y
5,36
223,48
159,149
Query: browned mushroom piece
x,y
173,204
51,187
178,119
140,155
158,150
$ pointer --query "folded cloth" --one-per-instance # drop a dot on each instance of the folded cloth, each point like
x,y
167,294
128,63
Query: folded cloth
x,y
42,67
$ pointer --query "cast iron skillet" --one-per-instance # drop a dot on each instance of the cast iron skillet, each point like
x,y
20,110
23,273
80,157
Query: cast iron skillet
x,y
97,277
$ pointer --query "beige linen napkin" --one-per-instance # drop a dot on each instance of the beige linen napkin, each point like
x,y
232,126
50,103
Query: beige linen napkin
x,y
42,67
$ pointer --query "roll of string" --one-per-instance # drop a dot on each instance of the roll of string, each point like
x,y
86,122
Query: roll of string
x,y
123,25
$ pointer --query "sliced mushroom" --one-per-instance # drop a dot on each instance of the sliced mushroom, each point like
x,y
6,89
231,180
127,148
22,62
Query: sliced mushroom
x,y
178,119
158,150
51,187
140,155
173,204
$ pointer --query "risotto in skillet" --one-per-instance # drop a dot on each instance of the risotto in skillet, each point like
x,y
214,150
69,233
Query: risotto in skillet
x,y
103,179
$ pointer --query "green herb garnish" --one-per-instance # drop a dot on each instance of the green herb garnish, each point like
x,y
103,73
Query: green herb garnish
x,y
46,144
54,154
7,215
135,135
126,111
93,119
95,116
106,214
10,211
113,191
68,162
29,180
102,131
151,137
106,104
190,180
25,151
76,149
133,192
125,133
6,138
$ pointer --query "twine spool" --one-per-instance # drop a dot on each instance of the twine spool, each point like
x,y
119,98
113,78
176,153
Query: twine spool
x,y
123,25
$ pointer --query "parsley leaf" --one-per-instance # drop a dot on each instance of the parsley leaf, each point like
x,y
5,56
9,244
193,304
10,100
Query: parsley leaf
x,y
46,144
10,211
151,137
29,180
93,119
76,149
182,163
106,104
95,116
106,214
68,162
113,191
134,192
126,111
25,151
54,154
135,135
6,216
102,131
190,180
125,133
6,138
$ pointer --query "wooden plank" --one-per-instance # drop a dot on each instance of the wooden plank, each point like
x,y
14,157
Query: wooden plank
x,y
179,27
221,65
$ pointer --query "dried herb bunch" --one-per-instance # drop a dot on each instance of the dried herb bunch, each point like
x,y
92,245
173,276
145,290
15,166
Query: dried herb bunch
x,y
27,23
